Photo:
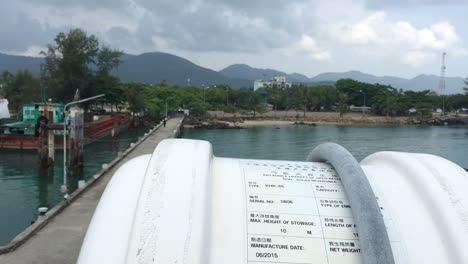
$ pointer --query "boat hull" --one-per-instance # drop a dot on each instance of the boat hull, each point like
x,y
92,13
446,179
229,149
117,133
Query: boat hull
x,y
92,132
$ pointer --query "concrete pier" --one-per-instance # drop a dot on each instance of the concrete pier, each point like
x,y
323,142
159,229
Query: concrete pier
x,y
59,241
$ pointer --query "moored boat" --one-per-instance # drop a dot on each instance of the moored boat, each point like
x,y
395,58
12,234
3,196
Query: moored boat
x,y
22,133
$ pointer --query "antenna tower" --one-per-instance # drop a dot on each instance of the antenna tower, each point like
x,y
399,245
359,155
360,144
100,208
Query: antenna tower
x,y
442,82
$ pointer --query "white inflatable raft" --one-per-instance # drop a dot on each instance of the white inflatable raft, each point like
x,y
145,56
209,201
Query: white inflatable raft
x,y
184,205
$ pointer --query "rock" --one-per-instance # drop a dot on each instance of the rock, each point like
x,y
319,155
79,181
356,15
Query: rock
x,y
217,125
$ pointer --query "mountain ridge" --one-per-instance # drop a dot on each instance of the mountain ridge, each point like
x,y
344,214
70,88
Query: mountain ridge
x,y
154,67
418,83
252,74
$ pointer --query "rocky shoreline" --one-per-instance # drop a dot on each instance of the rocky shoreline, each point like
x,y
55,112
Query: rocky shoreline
x,y
211,124
244,122
440,121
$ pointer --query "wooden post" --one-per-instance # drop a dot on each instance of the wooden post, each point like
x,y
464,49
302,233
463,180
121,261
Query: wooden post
x,y
43,149
76,138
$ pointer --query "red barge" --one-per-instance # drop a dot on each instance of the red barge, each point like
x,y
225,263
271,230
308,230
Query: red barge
x,y
22,134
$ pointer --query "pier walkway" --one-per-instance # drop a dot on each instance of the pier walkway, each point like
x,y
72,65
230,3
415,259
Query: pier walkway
x,y
60,240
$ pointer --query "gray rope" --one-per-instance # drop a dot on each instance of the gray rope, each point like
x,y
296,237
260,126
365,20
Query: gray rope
x,y
373,237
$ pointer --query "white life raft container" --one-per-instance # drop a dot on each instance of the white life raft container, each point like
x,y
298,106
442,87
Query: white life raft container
x,y
184,205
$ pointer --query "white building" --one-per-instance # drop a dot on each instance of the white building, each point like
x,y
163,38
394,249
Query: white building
x,y
279,81
4,113
360,108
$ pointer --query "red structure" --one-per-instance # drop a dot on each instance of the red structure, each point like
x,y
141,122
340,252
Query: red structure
x,y
92,132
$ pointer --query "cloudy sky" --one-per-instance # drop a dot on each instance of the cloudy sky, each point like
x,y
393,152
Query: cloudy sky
x,y
383,37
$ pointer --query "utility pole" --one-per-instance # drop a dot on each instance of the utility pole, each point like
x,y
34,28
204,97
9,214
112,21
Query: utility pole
x,y
364,105
167,98
64,187
44,92
442,82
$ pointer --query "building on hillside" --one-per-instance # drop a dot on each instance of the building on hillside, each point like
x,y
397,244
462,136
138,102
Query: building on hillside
x,y
279,81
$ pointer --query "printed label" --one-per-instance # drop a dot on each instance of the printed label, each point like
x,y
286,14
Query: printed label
x,y
334,207
343,251
281,204
285,225
298,212
329,190
278,188
339,227
286,249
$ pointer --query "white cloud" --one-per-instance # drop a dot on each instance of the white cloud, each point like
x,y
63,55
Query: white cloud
x,y
416,58
288,35
162,44
379,4
308,44
378,35
362,32
32,51
321,55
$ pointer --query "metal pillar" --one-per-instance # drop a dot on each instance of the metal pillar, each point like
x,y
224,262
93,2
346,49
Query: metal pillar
x,y
51,139
442,82
64,187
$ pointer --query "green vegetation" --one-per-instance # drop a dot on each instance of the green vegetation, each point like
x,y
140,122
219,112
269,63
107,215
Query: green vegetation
x,y
152,98
384,100
19,88
77,61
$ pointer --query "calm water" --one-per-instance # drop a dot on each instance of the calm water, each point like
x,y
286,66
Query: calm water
x,y
291,142
22,190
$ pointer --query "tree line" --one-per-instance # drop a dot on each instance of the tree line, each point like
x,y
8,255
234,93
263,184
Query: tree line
x,y
77,61
74,61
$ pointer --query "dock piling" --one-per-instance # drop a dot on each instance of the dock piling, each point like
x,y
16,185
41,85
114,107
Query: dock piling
x,y
76,139
51,140
43,148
